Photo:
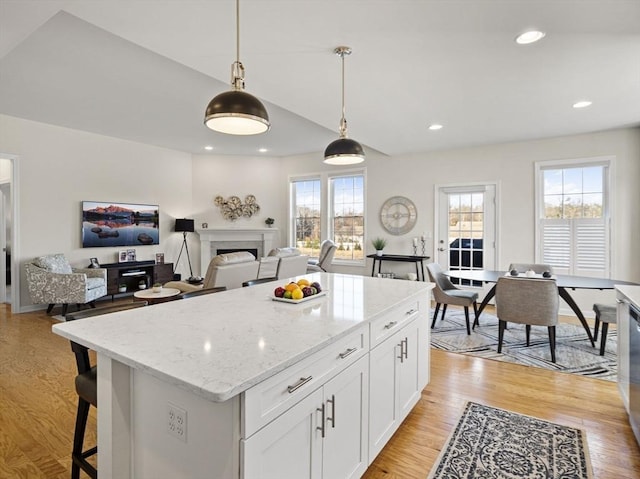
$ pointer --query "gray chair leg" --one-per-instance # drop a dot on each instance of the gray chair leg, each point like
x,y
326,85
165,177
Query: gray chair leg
x,y
466,317
603,340
552,342
435,315
476,321
501,326
596,327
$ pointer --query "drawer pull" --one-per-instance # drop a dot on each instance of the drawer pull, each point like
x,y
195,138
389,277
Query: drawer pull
x,y
348,352
390,324
333,410
321,428
299,384
411,311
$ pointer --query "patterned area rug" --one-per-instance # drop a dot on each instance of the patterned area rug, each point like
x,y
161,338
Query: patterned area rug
x,y
574,353
494,443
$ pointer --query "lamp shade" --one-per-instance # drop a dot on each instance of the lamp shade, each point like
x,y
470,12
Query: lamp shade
x,y
344,151
237,112
184,224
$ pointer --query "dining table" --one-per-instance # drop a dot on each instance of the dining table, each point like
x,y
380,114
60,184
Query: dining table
x,y
564,282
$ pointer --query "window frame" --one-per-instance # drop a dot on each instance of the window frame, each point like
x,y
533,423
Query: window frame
x,y
608,164
327,208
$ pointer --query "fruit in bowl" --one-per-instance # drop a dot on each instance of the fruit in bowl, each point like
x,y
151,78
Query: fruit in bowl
x,y
297,290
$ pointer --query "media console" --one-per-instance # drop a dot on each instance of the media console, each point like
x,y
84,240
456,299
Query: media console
x,y
131,273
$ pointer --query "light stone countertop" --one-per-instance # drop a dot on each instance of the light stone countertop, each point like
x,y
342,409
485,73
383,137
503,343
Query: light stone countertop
x,y
631,292
219,345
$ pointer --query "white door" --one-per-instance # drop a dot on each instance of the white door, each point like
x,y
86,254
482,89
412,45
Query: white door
x,y
3,253
346,399
466,234
290,446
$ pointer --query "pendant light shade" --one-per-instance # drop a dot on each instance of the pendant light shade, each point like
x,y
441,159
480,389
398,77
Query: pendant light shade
x,y
237,112
343,151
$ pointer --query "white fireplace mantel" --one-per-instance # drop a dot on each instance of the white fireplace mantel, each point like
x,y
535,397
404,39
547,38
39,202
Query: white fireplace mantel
x,y
265,236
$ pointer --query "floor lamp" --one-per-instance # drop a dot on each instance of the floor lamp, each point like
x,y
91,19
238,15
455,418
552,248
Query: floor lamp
x,y
185,226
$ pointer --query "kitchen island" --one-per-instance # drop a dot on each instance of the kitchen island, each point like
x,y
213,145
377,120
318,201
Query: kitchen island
x,y
236,385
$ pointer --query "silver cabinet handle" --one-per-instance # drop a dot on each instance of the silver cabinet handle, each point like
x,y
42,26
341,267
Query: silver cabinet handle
x,y
321,428
348,352
390,324
333,410
401,357
411,311
406,348
299,384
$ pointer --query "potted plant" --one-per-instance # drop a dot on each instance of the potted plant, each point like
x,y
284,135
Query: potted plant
x,y
142,284
157,287
122,288
269,222
379,244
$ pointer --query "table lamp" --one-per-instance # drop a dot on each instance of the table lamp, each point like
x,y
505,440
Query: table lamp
x,y
185,226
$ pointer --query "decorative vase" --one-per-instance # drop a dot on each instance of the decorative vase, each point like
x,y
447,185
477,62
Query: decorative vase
x,y
379,252
157,289
122,289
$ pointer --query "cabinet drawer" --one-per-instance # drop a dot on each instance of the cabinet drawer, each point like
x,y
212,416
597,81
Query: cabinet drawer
x,y
265,401
391,321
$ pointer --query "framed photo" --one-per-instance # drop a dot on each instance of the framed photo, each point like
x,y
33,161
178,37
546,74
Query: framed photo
x,y
122,256
131,255
94,263
159,258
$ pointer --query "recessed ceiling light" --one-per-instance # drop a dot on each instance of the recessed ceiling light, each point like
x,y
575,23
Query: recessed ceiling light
x,y
208,148
435,126
530,36
263,150
582,104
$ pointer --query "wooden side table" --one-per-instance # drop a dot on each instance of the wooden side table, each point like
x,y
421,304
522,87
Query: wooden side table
x,y
165,294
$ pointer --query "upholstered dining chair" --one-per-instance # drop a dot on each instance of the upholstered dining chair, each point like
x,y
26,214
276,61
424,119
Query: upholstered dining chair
x,y
528,301
87,389
201,292
605,314
323,263
52,280
445,292
535,267
291,262
254,282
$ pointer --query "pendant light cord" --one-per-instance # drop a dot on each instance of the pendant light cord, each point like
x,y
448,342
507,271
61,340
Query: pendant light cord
x,y
237,69
238,31
343,120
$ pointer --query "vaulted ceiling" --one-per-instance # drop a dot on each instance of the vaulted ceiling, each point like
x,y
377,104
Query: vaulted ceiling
x,y
145,70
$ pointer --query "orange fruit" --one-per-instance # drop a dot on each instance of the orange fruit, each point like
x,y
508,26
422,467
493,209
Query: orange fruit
x,y
291,287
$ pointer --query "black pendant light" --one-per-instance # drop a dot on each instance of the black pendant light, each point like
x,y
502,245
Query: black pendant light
x,y
236,112
343,151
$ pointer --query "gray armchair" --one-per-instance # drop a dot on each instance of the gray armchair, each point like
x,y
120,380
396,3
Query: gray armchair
x,y
52,280
445,292
530,302
323,263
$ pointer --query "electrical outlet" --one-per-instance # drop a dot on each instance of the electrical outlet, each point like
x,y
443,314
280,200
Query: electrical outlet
x,y
177,422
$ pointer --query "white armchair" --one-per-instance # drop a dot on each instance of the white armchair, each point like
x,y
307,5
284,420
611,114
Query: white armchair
x,y
52,280
290,262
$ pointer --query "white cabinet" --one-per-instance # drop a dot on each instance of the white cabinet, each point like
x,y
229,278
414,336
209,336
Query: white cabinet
x,y
323,436
396,380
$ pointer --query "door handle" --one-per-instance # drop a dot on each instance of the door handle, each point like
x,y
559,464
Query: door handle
x,y
321,428
333,410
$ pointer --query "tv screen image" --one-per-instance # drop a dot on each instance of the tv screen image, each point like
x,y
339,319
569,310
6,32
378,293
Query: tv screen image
x,y
119,224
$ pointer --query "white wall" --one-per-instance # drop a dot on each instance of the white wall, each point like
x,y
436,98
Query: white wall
x,y
60,167
512,166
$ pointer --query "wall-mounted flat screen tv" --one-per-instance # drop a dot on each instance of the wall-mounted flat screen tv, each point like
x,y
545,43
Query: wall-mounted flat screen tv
x,y
119,224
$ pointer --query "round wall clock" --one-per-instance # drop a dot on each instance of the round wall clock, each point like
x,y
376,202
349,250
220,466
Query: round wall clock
x,y
398,215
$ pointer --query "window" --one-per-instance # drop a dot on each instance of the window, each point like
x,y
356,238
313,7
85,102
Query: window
x,y
574,212
329,206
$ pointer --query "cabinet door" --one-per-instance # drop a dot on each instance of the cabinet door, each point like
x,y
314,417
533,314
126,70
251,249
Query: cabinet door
x,y
289,446
345,446
383,393
409,387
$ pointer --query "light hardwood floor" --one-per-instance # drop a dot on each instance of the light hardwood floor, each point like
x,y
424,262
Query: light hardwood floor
x,y
38,402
